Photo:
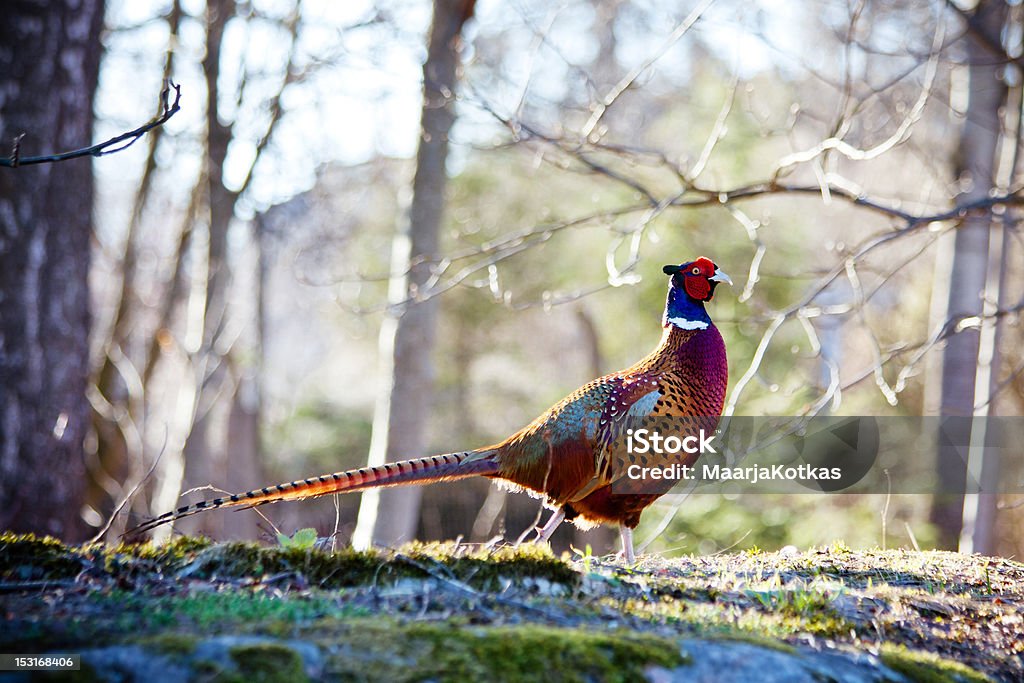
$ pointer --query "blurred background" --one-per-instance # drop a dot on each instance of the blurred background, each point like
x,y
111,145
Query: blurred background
x,y
380,230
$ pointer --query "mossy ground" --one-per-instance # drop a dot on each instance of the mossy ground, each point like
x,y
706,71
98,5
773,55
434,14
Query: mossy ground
x,y
267,663
452,612
459,651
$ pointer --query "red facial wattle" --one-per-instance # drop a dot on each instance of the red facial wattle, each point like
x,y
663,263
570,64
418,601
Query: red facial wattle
x,y
698,287
696,279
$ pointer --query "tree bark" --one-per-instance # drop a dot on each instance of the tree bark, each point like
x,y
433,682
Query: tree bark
x,y
978,158
602,538
980,509
206,449
118,459
49,67
407,333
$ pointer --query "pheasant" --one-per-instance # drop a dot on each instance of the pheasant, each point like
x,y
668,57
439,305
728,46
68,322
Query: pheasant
x,y
566,454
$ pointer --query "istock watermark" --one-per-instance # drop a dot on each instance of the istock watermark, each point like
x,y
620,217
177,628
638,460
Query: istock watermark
x,y
828,454
642,441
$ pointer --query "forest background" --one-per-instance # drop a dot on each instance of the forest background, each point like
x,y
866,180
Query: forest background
x,y
384,230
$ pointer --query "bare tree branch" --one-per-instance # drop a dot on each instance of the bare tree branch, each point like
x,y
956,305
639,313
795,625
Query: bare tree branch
x,y
115,144
609,99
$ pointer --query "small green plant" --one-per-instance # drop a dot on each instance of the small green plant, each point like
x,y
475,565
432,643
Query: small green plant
x,y
586,556
303,539
839,547
797,598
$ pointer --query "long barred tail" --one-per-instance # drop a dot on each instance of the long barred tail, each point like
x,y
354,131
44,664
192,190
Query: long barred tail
x,y
417,471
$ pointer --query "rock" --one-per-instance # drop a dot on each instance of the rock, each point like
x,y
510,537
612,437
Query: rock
x,y
240,656
133,663
724,661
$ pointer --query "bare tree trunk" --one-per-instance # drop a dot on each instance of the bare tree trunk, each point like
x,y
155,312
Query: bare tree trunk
x,y
119,458
407,334
605,67
205,450
223,446
243,428
980,506
601,539
49,67
978,157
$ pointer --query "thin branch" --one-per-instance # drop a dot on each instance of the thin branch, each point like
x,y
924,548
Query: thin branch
x,y
115,144
914,221
899,136
601,107
718,131
274,105
128,497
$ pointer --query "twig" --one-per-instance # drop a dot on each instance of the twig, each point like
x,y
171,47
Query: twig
x,y
115,144
131,494
609,99
18,586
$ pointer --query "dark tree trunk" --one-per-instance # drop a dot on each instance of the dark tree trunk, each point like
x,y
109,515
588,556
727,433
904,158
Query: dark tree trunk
x,y
49,66
407,335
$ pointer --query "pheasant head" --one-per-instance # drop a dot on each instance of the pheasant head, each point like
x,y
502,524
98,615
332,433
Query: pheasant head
x,y
692,284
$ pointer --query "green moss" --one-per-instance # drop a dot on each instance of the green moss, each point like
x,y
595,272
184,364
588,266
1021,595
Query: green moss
x,y
171,643
483,568
175,551
31,558
926,667
340,569
267,663
203,560
764,598
730,615
27,557
128,612
144,560
489,567
451,651
206,670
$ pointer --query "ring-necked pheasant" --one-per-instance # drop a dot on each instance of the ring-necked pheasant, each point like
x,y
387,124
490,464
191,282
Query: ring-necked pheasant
x,y
565,454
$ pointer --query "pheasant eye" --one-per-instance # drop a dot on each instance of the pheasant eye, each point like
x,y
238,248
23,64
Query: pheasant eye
x,y
695,271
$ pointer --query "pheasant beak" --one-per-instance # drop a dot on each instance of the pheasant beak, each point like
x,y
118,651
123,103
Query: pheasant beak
x,y
720,276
